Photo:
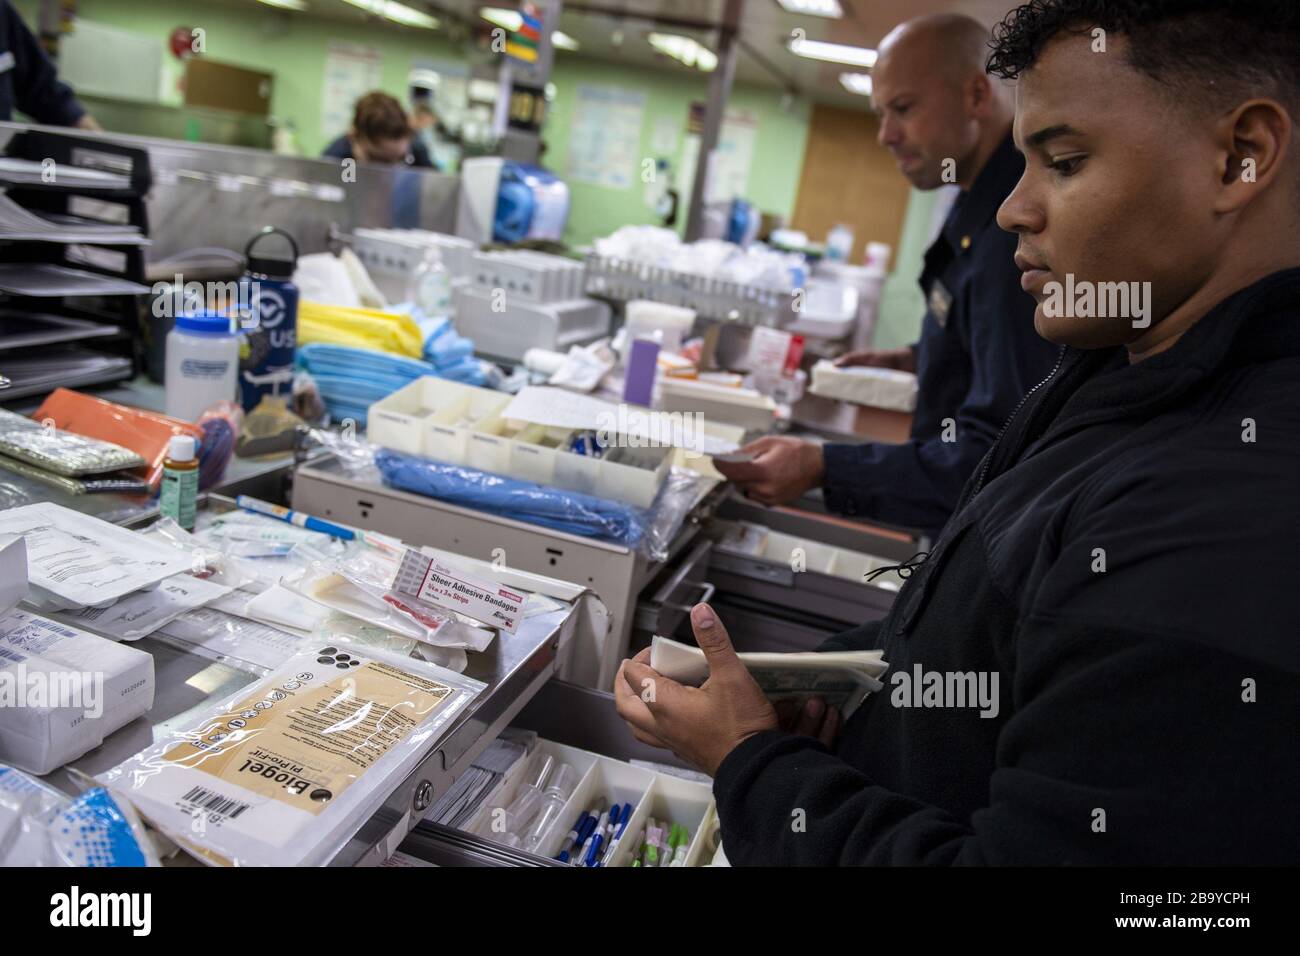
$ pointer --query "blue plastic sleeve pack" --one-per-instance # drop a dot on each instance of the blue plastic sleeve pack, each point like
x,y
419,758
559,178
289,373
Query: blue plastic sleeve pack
x,y
568,511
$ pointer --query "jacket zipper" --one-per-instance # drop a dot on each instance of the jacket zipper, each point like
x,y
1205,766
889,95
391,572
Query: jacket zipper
x,y
1006,426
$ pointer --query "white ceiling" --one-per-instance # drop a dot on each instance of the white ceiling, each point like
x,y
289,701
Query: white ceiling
x,y
765,30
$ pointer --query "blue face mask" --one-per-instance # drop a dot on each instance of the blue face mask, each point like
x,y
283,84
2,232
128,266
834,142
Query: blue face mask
x,y
351,379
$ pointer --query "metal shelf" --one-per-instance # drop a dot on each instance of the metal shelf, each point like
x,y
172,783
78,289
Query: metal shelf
x,y
622,280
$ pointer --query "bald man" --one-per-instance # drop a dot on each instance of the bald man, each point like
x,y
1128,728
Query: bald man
x,y
945,121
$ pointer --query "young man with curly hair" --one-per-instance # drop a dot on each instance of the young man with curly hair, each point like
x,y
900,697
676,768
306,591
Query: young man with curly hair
x,y
1120,573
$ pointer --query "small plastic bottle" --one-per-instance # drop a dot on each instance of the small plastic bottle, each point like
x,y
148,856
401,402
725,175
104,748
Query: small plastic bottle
x,y
180,481
557,794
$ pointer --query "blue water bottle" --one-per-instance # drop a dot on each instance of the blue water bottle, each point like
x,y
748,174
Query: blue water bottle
x,y
269,303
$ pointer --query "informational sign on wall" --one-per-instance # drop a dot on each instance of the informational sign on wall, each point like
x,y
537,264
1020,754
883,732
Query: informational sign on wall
x,y
351,71
605,142
731,162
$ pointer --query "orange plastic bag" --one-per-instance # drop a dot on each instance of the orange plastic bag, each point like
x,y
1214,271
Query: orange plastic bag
x,y
145,433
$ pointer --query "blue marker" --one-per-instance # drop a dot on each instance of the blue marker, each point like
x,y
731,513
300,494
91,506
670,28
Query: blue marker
x,y
572,838
590,848
606,838
257,506
624,818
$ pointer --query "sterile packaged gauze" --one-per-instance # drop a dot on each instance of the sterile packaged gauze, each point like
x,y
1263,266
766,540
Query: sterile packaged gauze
x,y
39,826
63,690
284,772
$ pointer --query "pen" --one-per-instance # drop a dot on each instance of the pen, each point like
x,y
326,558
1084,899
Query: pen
x,y
604,836
572,838
257,506
593,842
584,836
618,838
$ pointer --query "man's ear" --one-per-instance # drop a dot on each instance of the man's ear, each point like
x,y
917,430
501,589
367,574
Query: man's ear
x,y
1255,148
979,95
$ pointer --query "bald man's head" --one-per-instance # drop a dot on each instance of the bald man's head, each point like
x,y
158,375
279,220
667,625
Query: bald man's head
x,y
950,43
935,102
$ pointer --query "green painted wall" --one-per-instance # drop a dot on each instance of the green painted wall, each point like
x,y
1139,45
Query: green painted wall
x,y
902,306
777,154
293,48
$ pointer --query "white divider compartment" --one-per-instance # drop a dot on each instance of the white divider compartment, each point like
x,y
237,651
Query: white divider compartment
x,y
652,795
612,780
670,800
447,430
582,763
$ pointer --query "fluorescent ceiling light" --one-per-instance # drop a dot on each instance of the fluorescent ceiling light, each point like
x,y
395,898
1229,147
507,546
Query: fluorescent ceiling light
x,y
286,4
834,52
859,83
512,20
814,8
397,12
685,50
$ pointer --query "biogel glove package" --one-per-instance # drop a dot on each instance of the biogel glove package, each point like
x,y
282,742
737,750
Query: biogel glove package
x,y
282,773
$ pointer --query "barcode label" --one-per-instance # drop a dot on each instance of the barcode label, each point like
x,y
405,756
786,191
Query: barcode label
x,y
13,656
214,804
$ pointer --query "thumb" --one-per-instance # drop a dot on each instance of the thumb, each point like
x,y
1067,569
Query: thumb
x,y
713,640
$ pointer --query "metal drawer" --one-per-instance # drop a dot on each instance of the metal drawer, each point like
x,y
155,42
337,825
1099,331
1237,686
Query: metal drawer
x,y
560,712
675,592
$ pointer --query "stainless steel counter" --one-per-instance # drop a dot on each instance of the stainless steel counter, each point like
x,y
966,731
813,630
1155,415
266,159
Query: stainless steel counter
x,y
514,667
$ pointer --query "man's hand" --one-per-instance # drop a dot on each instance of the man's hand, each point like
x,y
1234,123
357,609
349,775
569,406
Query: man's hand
x,y
812,719
699,724
903,360
783,469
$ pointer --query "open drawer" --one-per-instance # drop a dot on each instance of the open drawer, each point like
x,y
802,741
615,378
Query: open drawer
x,y
579,726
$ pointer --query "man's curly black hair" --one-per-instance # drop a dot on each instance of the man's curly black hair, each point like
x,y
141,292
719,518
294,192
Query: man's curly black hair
x,y
1201,50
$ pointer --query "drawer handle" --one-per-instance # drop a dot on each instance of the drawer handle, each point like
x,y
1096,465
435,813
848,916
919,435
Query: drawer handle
x,y
706,595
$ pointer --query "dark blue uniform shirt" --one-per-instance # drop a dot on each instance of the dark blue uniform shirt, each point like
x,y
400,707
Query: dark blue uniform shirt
x,y
977,356
28,80
341,148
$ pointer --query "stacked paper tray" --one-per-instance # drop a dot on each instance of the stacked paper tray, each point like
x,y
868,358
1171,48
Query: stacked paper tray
x,y
463,425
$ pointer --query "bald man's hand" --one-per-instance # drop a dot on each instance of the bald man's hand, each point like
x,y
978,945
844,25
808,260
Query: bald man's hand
x,y
903,360
782,469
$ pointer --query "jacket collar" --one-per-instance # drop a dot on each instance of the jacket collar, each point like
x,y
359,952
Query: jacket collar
x,y
976,207
1257,324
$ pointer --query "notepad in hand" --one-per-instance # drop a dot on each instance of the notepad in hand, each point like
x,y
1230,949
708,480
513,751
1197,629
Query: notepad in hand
x,y
841,678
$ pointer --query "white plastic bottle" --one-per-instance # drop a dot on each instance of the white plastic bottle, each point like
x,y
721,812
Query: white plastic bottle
x,y
202,364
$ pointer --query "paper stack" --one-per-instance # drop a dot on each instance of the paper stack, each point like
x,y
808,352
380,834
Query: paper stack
x,y
860,385
841,678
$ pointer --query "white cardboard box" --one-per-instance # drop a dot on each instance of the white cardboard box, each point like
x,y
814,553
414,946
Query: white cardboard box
x,y
63,690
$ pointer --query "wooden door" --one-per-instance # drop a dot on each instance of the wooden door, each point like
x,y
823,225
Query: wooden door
x,y
848,177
